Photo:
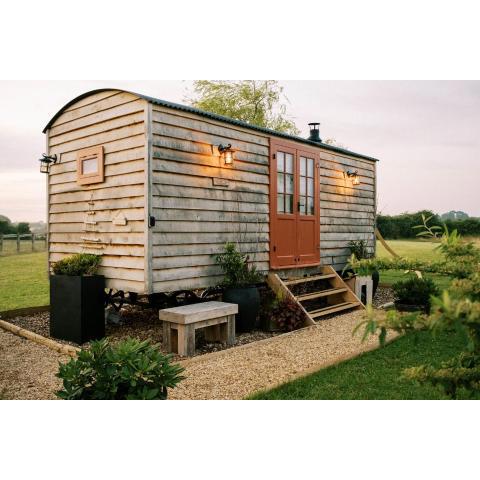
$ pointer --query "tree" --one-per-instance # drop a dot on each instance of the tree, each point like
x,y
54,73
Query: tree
x,y
333,142
23,227
454,215
258,102
6,226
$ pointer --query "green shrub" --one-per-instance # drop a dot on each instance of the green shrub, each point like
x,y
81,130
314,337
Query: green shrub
x,y
238,273
79,264
415,291
129,370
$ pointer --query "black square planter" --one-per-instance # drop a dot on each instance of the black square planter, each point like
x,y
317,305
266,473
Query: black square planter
x,y
77,311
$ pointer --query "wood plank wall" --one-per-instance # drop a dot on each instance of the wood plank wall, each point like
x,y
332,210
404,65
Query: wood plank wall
x,y
347,212
115,120
195,217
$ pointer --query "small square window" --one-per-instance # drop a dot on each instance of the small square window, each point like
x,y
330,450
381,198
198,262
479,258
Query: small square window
x,y
90,166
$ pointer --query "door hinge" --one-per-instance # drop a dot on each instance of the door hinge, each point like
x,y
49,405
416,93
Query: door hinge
x,y
151,221
274,248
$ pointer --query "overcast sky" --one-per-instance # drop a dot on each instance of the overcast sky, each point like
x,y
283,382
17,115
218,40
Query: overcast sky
x,y
426,135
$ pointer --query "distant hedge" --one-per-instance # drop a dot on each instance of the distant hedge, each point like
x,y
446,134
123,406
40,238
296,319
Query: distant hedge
x,y
400,226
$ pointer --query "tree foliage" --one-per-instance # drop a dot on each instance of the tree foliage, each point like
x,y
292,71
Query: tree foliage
x,y
7,227
403,225
258,102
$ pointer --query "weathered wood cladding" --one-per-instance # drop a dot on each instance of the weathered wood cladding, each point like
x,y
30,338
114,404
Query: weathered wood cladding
x,y
164,162
195,217
115,120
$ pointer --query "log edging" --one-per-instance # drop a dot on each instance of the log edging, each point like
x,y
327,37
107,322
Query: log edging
x,y
20,312
39,339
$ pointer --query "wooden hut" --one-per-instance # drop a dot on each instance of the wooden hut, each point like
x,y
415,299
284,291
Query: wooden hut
x,y
148,184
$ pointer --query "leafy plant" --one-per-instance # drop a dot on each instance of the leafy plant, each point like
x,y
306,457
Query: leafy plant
x,y
415,291
363,267
129,370
286,314
79,264
359,249
429,231
235,266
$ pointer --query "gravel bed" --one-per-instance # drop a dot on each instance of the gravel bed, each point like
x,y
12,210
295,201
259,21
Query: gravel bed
x,y
27,369
260,361
239,372
142,324
383,295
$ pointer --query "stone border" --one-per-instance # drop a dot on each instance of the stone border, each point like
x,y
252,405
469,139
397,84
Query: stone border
x,y
39,339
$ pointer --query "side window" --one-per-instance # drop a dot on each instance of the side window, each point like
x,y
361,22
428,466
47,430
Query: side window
x,y
307,185
90,166
285,178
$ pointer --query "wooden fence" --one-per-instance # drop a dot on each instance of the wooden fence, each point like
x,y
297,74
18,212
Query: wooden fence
x,y
16,243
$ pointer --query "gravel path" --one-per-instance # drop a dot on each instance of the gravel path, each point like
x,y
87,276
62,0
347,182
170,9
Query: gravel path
x,y
238,372
27,370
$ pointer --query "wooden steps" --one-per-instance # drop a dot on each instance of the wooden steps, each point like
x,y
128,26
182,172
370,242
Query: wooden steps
x,y
333,309
318,295
309,279
322,293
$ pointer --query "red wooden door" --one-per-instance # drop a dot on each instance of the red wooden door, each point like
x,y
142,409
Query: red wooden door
x,y
294,207
308,209
283,197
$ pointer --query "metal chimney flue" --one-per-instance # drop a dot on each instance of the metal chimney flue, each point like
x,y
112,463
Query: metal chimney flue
x,y
314,132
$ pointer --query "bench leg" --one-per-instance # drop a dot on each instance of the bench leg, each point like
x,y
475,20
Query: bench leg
x,y
167,336
230,330
186,340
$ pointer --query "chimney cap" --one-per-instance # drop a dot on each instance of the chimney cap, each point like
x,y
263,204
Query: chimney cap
x,y
314,132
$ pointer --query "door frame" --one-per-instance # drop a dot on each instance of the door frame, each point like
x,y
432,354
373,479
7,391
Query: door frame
x,y
300,150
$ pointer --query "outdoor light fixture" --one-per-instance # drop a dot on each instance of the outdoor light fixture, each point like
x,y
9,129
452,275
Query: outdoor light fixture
x,y
353,174
226,152
46,161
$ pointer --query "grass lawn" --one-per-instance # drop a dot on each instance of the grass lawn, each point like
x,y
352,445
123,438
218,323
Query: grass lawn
x,y
374,375
23,281
414,249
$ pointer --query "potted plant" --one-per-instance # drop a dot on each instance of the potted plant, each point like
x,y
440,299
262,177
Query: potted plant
x,y
77,297
414,294
360,250
240,286
360,275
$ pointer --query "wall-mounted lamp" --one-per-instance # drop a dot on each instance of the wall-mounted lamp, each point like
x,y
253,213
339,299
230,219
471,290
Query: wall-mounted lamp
x,y
353,174
46,161
226,153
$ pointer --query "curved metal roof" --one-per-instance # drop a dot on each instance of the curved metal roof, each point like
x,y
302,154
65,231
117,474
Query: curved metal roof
x,y
212,116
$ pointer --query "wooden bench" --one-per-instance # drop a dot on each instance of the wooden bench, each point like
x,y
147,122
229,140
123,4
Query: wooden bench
x,y
180,323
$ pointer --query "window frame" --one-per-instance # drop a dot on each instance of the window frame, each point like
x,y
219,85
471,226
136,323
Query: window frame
x,y
91,153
